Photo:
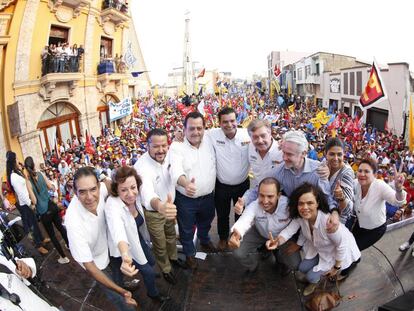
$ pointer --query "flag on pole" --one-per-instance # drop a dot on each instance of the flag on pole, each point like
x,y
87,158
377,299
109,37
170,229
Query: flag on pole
x,y
201,74
411,127
374,90
200,108
277,71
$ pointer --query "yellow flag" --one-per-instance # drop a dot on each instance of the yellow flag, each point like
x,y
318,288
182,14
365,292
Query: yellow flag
x,y
246,122
117,131
411,127
289,89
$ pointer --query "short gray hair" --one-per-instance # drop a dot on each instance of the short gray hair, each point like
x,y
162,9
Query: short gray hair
x,y
297,137
256,124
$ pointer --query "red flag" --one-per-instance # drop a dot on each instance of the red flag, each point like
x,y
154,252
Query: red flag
x,y
88,144
374,90
277,71
201,74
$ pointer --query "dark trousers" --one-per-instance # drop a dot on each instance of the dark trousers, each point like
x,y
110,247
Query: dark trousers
x,y
48,220
194,211
411,241
223,195
367,237
30,221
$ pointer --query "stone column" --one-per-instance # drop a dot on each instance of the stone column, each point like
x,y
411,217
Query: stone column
x,y
25,40
30,144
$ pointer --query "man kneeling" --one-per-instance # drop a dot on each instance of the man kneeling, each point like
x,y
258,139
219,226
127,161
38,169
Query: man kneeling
x,y
267,215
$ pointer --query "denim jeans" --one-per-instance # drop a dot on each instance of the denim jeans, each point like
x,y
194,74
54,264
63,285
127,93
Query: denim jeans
x,y
147,272
194,211
306,267
114,297
30,221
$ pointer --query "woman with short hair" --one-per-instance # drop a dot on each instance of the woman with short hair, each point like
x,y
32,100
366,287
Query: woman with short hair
x,y
126,224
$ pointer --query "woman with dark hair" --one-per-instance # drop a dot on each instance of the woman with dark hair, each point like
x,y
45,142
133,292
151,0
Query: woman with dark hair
x,y
126,224
326,253
370,197
46,208
25,200
341,178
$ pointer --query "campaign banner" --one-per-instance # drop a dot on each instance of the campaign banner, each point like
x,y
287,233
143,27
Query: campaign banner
x,y
120,110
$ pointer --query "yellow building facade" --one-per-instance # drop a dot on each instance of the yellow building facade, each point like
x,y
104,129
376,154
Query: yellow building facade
x,y
48,99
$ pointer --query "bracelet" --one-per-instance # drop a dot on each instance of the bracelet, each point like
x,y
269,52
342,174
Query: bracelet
x,y
337,268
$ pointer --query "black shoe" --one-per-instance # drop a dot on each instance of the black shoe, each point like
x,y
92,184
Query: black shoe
x,y
208,248
179,263
284,270
170,278
131,285
159,298
191,262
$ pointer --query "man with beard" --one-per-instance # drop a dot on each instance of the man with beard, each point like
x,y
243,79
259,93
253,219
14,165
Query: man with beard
x,y
158,194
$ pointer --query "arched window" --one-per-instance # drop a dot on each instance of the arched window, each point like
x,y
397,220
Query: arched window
x,y
58,123
103,109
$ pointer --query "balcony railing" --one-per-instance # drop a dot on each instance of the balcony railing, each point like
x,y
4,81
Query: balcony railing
x,y
60,64
118,5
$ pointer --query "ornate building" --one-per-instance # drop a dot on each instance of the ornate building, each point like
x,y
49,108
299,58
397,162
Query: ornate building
x,y
50,94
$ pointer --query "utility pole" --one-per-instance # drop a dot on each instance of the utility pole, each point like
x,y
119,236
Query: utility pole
x,y
188,70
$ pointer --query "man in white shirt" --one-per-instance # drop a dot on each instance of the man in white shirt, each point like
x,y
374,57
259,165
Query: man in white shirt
x,y
264,157
14,273
193,170
231,146
87,234
269,214
158,194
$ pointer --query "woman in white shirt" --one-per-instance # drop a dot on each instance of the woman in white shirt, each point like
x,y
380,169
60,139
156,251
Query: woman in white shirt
x,y
126,224
370,197
25,200
326,253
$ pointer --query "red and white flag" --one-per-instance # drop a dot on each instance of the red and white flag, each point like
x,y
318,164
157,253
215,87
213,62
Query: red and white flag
x,y
202,73
277,71
374,91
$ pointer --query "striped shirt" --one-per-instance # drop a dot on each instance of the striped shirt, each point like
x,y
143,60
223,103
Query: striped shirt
x,y
346,177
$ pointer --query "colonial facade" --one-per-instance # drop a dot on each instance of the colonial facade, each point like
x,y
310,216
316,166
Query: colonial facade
x,y
44,100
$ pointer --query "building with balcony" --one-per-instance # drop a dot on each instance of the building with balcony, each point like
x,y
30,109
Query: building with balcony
x,y
309,70
62,62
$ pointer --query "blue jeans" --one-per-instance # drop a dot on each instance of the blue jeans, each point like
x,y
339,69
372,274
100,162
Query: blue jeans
x,y
29,221
147,270
114,297
194,211
306,267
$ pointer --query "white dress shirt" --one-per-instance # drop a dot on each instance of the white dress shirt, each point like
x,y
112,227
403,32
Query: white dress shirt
x,y
264,222
122,227
19,185
339,245
262,168
198,163
87,232
231,155
371,210
156,180
17,285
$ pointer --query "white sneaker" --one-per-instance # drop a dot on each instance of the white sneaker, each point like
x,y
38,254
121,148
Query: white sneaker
x,y
405,246
63,260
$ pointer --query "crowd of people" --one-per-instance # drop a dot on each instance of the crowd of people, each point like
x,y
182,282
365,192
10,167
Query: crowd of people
x,y
61,58
312,188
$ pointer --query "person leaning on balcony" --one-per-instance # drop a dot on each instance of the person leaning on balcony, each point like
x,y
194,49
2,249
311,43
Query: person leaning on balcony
x,y
45,59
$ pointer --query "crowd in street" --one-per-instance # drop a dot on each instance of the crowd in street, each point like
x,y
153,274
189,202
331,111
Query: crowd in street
x,y
314,188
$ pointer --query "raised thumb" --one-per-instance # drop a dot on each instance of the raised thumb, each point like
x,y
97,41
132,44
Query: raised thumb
x,y
169,198
192,180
